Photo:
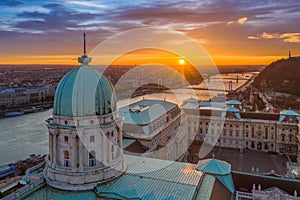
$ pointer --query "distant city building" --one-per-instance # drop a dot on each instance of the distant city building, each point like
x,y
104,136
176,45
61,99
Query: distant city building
x,y
15,97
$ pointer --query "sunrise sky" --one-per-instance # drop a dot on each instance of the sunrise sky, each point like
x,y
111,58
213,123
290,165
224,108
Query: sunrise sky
x,y
233,32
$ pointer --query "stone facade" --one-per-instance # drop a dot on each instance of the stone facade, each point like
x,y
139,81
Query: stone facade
x,y
251,130
272,193
161,137
83,151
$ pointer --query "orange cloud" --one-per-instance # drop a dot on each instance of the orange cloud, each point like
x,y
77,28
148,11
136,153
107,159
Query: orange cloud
x,y
286,37
242,20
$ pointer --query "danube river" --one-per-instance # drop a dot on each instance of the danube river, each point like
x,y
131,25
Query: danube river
x,y
24,135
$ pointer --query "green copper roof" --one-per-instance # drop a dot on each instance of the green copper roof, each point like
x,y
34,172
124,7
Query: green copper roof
x,y
285,113
206,187
149,178
145,111
233,102
214,166
289,112
227,181
192,100
84,91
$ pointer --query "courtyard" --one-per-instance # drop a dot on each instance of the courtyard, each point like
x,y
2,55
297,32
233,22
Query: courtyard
x,y
244,162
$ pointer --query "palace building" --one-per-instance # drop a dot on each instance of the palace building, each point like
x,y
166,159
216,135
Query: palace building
x,y
153,127
225,124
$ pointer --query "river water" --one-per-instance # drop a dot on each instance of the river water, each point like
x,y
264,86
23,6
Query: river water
x,y
27,134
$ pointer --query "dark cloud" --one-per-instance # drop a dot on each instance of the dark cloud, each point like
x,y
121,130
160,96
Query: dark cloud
x,y
58,19
206,21
11,3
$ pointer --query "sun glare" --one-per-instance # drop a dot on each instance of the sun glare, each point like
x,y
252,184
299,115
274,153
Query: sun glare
x,y
181,61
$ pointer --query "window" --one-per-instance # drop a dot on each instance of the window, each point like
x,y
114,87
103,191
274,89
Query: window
x,y
92,121
92,159
224,132
66,122
230,133
247,126
66,139
66,159
291,138
247,134
92,138
282,137
237,134
266,133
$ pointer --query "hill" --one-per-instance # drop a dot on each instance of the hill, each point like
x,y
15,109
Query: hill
x,y
280,76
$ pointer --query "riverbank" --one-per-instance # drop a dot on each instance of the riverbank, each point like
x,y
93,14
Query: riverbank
x,y
21,110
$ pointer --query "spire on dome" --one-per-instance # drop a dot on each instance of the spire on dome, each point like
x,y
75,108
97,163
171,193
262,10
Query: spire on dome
x,y
84,44
84,59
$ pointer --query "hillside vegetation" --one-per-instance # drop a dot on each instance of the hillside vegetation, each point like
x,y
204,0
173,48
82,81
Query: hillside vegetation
x,y
280,76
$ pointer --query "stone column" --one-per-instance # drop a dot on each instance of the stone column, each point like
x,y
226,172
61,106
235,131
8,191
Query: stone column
x,y
120,142
54,147
80,152
74,153
50,149
109,143
103,150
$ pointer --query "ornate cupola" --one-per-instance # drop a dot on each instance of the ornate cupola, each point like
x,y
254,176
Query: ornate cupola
x,y
85,140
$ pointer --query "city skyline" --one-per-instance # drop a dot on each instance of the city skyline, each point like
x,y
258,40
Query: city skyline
x,y
232,32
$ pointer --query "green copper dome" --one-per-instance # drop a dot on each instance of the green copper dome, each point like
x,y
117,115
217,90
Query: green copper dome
x,y
84,91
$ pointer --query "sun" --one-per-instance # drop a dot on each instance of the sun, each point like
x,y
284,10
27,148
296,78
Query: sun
x,y
181,61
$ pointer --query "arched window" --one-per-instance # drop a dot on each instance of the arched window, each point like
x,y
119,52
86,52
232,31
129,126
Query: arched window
x,y
282,137
92,159
66,159
291,138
